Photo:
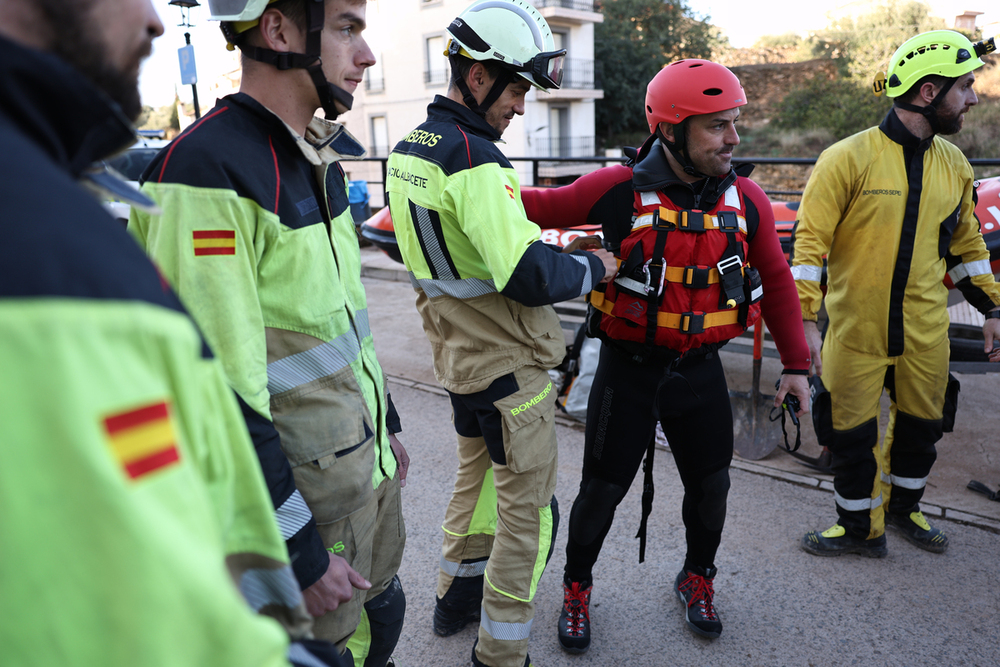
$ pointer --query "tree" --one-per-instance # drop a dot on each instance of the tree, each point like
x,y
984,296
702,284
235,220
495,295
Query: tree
x,y
636,39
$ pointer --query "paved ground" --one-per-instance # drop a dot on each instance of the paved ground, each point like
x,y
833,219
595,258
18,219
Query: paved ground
x,y
779,605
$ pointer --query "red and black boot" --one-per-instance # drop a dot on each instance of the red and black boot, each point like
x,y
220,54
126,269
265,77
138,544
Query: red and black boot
x,y
694,588
574,621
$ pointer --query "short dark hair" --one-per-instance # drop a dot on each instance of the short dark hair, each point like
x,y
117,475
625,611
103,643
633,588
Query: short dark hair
x,y
293,10
460,67
909,96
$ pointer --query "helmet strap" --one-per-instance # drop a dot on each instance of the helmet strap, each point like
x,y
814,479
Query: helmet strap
x,y
930,111
678,148
329,94
504,78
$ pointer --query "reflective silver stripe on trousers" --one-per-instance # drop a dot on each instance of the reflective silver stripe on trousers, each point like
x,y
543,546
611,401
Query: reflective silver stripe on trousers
x,y
429,241
262,587
587,276
293,515
300,655
912,483
978,268
807,272
325,359
857,505
508,632
467,288
463,569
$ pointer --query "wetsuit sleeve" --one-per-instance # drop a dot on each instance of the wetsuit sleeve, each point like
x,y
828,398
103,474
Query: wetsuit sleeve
x,y
219,289
824,201
968,259
392,423
487,205
780,303
582,201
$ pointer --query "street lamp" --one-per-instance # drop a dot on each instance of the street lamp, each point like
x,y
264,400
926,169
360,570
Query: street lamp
x,y
186,53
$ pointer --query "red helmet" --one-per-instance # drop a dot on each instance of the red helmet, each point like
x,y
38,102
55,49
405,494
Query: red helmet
x,y
691,88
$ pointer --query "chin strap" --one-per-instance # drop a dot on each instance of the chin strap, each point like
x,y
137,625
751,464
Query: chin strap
x,y
505,78
930,112
330,96
678,149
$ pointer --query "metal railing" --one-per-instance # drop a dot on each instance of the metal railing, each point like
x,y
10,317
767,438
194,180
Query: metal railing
x,y
536,161
561,147
374,85
435,77
578,74
580,5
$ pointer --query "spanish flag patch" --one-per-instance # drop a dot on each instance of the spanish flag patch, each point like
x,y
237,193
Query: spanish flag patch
x,y
142,439
214,242
510,191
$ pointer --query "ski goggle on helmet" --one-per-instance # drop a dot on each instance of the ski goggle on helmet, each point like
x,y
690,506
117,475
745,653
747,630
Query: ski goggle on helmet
x,y
942,52
513,33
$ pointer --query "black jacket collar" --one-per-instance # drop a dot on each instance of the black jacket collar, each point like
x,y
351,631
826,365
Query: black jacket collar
x,y
651,171
446,110
893,128
58,109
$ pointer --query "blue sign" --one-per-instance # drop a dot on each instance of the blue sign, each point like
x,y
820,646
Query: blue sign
x,y
189,75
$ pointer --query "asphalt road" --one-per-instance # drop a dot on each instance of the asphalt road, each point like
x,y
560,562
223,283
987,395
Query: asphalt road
x,y
779,605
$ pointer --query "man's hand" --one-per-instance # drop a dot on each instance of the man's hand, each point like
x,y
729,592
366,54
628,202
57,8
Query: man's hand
x,y
797,386
610,264
991,338
334,588
583,243
815,343
402,458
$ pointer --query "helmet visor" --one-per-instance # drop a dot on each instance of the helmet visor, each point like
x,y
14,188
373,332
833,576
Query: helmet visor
x,y
236,10
547,68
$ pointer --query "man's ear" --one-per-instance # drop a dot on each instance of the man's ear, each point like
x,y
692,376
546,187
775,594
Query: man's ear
x,y
667,130
279,33
479,79
928,91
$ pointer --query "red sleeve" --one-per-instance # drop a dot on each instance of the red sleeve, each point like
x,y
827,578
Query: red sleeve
x,y
569,205
780,304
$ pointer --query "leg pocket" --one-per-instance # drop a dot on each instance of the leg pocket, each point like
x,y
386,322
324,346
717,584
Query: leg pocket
x,y
528,415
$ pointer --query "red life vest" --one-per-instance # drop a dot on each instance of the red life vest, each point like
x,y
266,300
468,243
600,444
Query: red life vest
x,y
690,266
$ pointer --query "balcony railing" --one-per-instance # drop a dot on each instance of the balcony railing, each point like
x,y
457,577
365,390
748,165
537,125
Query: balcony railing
x,y
561,147
435,77
581,5
578,74
374,85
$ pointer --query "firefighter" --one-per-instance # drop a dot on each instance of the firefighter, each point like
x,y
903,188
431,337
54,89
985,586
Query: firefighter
x,y
700,261
257,236
893,209
129,481
484,281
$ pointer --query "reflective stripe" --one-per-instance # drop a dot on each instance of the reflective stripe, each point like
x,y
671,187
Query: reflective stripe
x,y
912,483
293,515
509,632
807,272
733,198
262,587
978,268
757,293
857,505
587,283
326,359
300,656
463,569
467,288
436,255
649,198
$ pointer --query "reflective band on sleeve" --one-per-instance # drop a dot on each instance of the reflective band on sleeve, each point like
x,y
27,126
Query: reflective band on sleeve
x,y
437,256
509,632
587,283
463,569
807,272
262,587
757,293
467,288
325,359
912,483
978,268
857,505
300,656
293,515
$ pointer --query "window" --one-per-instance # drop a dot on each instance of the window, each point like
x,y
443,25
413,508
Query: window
x,y
436,69
559,137
374,78
379,136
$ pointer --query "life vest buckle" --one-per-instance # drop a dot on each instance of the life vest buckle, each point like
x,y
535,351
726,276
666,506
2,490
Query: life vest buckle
x,y
695,277
692,323
648,276
731,278
728,221
662,224
691,220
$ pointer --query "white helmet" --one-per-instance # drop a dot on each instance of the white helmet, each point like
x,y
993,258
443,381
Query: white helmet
x,y
511,32
236,10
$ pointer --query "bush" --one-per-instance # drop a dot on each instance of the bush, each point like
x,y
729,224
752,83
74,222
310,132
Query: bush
x,y
842,107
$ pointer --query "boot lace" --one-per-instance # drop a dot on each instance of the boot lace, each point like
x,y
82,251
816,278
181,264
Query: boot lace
x,y
576,602
698,590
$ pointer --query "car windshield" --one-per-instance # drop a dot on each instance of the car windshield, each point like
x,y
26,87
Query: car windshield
x,y
133,162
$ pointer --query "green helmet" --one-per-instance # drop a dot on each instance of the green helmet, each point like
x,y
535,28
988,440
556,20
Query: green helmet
x,y
942,52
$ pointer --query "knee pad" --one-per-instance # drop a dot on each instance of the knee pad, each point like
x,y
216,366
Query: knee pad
x,y
715,491
593,509
464,593
381,624
916,436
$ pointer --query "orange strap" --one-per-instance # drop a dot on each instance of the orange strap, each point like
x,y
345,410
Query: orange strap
x,y
676,274
671,320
